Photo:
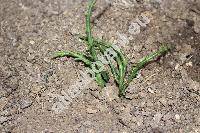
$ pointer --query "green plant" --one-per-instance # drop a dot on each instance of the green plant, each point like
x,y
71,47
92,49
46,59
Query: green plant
x,y
97,46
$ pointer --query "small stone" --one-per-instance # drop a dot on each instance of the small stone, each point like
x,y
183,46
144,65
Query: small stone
x,y
139,121
197,29
131,38
157,117
25,103
142,94
177,67
32,42
122,39
91,131
149,103
150,90
177,117
163,101
189,64
142,104
4,112
91,111
3,119
194,85
138,48
110,93
187,52
36,89
198,119
167,116
3,102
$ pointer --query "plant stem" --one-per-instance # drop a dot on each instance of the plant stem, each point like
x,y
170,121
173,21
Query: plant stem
x,y
144,61
88,29
77,55
99,78
119,71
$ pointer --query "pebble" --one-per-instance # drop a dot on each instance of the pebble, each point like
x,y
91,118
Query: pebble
x,y
3,102
197,29
137,48
91,111
150,90
149,103
91,131
142,94
139,121
36,89
142,104
189,64
183,57
110,93
177,67
194,85
198,119
167,116
163,101
177,117
32,42
157,117
25,103
3,119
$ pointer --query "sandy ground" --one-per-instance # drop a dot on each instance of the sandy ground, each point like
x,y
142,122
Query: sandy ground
x,y
163,99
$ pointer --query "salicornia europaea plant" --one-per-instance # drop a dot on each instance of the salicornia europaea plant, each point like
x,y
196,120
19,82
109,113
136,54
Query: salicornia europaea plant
x,y
119,68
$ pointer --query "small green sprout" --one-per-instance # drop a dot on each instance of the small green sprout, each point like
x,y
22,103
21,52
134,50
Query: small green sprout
x,y
97,46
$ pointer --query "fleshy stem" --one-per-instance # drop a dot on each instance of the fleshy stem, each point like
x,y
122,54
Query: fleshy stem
x,y
99,78
88,29
77,55
119,74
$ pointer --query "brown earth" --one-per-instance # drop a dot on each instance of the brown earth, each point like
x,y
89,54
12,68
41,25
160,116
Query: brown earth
x,y
163,99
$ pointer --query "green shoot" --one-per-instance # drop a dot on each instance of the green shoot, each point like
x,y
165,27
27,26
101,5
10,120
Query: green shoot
x,y
118,71
88,29
78,56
